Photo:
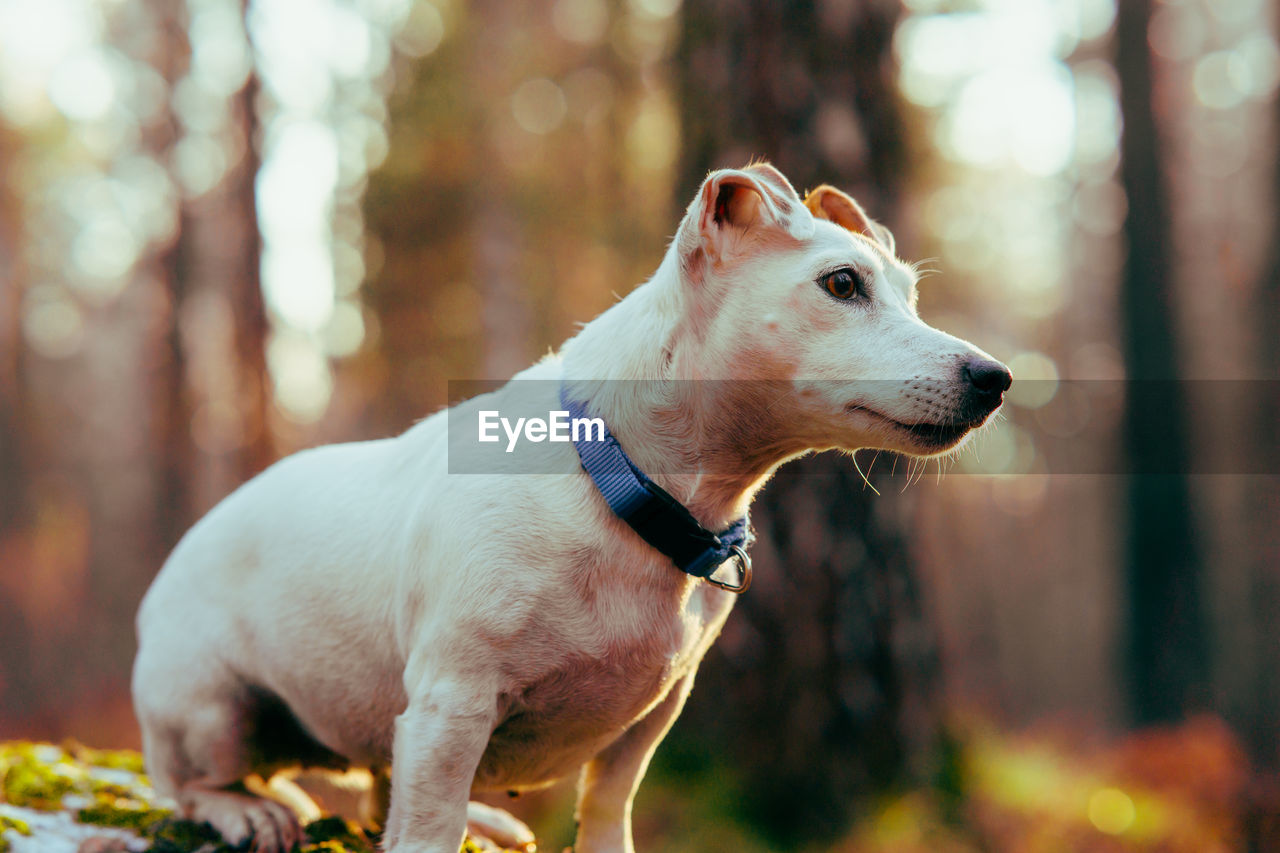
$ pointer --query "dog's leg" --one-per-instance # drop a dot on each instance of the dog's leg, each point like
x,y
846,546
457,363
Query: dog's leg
x,y
203,766
199,731
439,741
610,780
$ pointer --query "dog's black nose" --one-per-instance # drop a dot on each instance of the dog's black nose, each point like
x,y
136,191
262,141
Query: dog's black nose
x,y
988,380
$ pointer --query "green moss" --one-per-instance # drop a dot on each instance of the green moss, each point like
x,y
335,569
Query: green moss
x,y
337,847
122,813
175,835
33,782
114,759
19,826
6,823
332,829
335,835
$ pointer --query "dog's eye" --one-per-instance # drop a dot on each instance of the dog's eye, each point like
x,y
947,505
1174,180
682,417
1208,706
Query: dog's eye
x,y
842,284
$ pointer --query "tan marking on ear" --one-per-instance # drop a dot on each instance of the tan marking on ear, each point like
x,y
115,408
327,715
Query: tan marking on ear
x,y
827,202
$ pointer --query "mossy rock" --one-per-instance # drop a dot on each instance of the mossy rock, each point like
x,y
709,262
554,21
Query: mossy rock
x,y
109,788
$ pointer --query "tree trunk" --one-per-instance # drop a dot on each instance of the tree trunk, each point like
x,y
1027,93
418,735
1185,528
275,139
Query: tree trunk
x,y
18,680
12,468
1265,502
1166,642
218,399
829,678
129,490
495,237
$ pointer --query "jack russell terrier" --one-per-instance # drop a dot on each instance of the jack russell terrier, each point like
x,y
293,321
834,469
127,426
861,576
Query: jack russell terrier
x,y
361,605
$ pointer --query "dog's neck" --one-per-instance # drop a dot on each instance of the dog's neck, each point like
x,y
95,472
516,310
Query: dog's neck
x,y
709,442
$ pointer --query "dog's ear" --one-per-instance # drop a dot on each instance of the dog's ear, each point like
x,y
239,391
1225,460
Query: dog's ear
x,y
735,203
827,202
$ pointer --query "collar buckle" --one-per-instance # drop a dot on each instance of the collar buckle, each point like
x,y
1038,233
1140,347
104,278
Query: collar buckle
x,y
743,559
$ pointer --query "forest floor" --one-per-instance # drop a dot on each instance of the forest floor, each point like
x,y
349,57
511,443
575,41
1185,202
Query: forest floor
x,y
1182,789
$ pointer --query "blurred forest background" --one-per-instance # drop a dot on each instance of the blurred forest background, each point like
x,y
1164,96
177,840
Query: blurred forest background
x,y
232,230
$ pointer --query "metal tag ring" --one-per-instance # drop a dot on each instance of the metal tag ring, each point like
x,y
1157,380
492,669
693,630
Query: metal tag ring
x,y
744,572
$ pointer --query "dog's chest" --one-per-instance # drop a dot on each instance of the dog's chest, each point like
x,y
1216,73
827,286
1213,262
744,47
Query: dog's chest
x,y
563,718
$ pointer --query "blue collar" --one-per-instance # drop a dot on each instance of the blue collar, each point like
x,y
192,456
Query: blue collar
x,y
659,518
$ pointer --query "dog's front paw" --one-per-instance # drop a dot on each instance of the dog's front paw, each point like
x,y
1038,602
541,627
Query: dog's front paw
x,y
267,826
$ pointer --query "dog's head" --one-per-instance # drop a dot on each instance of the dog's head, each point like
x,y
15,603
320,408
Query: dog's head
x,y
810,297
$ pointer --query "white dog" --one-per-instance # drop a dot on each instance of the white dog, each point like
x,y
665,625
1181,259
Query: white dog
x,y
361,605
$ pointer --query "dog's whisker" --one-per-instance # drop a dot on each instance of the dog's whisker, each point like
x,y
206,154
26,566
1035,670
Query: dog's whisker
x,y
921,269
874,457
866,482
913,464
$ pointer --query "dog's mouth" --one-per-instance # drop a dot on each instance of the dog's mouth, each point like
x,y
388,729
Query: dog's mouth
x,y
930,436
